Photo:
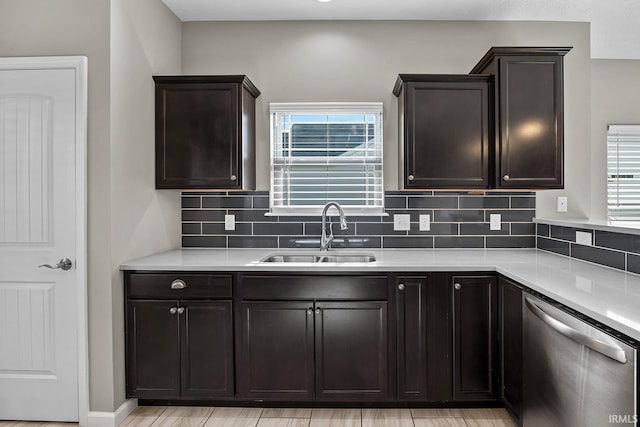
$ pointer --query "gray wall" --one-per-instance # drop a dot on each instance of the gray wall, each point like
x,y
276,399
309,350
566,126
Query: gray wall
x,y
126,42
79,27
359,61
145,41
615,99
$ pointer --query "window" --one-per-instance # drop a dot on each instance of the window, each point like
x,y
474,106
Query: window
x,y
623,175
326,152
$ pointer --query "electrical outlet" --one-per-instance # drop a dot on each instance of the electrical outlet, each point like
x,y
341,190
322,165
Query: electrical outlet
x,y
230,222
495,222
401,222
562,203
583,238
425,222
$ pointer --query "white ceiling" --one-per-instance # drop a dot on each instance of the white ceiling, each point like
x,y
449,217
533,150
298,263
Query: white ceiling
x,y
615,24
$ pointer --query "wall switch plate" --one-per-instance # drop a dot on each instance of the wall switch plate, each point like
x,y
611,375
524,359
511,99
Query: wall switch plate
x,y
495,222
230,222
562,203
401,222
425,222
583,238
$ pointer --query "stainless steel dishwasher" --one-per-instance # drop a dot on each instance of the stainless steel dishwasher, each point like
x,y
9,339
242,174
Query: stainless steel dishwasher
x,y
574,373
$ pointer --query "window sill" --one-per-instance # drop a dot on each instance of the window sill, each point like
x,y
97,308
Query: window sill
x,y
331,214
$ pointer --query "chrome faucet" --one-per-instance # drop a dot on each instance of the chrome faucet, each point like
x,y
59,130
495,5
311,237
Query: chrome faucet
x,y
325,241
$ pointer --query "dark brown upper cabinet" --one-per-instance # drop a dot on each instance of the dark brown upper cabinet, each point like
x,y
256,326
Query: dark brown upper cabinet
x,y
205,132
529,115
445,130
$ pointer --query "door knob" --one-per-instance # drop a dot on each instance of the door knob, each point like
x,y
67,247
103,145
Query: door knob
x,y
401,286
64,264
506,177
457,286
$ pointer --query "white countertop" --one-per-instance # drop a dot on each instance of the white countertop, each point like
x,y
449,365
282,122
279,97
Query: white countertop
x,y
607,295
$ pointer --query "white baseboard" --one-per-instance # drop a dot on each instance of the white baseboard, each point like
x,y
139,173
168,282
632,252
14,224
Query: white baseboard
x,y
112,419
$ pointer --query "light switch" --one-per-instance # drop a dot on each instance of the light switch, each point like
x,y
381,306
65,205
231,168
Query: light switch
x,y
230,222
425,222
495,222
401,222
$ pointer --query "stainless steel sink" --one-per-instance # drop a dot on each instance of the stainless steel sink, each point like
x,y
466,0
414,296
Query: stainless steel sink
x,y
291,258
361,258
319,258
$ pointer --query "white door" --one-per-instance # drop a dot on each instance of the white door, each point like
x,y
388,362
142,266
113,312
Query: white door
x,y
40,126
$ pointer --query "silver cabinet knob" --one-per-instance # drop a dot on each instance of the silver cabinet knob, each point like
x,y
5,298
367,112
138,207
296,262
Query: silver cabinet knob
x,y
64,264
233,177
410,177
506,178
180,310
310,311
457,286
401,286
173,310
178,284
317,311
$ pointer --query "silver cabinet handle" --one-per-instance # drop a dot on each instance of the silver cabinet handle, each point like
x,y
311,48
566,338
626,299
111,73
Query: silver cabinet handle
x,y
457,286
64,264
401,286
310,311
410,177
180,310
173,310
506,178
178,284
609,350
317,311
233,177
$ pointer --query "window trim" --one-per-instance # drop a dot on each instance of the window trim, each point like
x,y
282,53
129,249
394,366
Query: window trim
x,y
325,108
617,214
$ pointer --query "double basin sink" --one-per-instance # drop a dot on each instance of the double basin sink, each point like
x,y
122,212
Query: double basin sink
x,y
319,258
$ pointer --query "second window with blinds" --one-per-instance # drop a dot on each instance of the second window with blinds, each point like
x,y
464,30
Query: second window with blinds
x,y
322,152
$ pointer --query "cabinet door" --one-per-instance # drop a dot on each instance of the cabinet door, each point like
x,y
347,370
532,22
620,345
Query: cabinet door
x,y
197,141
277,350
153,349
474,351
352,360
411,332
511,345
530,122
447,134
207,349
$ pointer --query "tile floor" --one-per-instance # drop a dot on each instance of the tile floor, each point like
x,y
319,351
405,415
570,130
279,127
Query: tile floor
x,y
163,416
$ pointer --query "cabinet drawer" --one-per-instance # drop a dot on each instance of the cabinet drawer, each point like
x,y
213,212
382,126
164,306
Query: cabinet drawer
x,y
263,287
150,285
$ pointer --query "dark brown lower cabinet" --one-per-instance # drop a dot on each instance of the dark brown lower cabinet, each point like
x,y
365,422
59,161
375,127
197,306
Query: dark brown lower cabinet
x,y
277,350
153,350
475,339
424,337
351,350
179,349
510,326
411,333
301,350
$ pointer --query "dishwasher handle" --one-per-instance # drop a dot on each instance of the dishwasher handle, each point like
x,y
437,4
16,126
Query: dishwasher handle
x,y
609,350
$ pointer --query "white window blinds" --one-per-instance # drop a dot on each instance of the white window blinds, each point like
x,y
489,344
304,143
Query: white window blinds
x,y
623,175
326,152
